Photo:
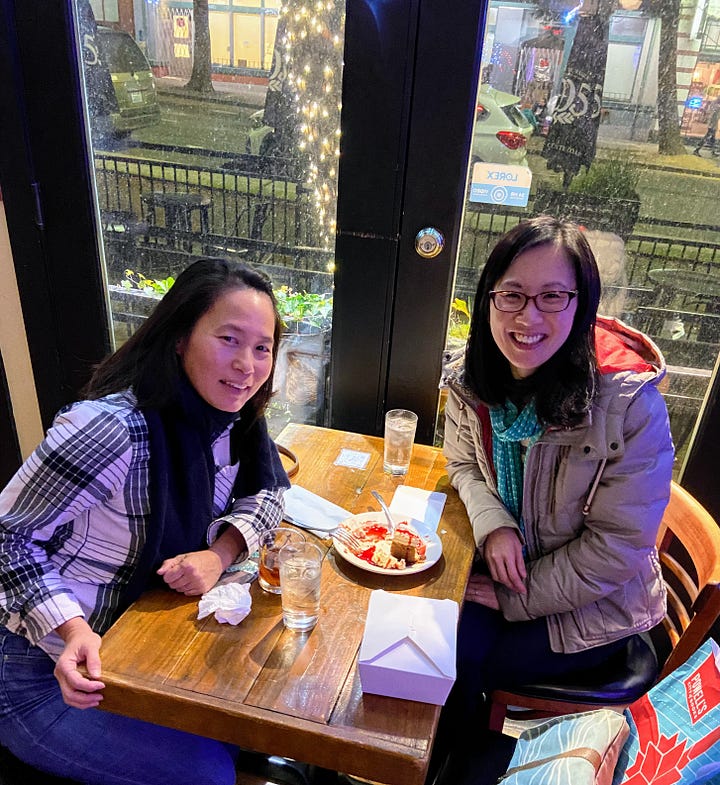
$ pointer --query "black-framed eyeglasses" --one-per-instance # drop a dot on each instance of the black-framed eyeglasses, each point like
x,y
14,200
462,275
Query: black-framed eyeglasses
x,y
547,302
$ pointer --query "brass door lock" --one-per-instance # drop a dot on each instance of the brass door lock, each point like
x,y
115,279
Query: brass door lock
x,y
429,242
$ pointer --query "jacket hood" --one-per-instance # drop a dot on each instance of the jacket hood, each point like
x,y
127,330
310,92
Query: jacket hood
x,y
619,347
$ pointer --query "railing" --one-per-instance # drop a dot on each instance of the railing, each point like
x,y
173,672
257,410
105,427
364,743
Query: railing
x,y
157,216
253,204
263,216
667,244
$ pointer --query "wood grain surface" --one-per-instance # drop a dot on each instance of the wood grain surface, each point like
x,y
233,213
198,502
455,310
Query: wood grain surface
x,y
286,693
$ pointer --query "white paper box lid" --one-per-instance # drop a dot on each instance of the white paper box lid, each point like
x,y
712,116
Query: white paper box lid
x,y
429,626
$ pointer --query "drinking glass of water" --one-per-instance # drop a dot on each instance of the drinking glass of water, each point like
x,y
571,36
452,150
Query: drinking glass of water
x,y
300,568
400,425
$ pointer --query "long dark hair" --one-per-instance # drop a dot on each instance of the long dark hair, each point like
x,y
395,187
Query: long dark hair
x,y
564,386
148,361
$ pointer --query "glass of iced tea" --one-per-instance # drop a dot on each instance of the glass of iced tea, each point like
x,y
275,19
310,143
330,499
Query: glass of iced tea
x,y
268,566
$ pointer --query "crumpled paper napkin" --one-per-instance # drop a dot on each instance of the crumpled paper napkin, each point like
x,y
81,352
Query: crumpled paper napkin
x,y
230,603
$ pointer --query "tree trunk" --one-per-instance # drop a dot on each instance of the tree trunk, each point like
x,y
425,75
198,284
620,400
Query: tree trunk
x,y
669,139
200,79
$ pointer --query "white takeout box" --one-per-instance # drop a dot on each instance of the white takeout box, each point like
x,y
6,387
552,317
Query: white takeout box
x,y
408,648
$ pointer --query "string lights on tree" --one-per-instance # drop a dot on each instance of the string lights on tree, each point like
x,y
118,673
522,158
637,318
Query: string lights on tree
x,y
312,45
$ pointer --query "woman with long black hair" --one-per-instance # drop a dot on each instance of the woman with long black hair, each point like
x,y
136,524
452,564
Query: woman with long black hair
x,y
558,443
164,473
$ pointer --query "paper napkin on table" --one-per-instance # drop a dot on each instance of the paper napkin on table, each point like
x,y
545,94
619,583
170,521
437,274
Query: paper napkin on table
x,y
310,511
230,603
424,507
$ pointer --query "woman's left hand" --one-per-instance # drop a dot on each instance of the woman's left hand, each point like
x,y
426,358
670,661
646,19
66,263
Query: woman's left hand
x,y
192,573
481,589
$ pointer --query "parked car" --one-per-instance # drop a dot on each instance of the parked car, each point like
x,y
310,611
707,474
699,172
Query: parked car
x,y
135,103
500,135
501,129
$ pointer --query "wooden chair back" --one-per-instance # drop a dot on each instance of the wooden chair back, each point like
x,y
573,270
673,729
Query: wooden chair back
x,y
689,548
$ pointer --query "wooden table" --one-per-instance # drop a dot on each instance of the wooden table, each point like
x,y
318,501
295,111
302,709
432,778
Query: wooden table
x,y
296,695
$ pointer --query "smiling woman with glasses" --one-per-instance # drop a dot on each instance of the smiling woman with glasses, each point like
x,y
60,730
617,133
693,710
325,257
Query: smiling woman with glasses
x,y
558,444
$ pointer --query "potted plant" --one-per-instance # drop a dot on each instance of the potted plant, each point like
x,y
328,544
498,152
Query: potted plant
x,y
304,312
604,197
304,356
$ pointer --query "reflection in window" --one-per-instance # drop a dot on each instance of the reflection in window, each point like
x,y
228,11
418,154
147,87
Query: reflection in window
x,y
105,10
647,217
244,166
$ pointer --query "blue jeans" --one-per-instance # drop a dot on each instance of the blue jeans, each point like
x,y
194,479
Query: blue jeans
x,y
91,745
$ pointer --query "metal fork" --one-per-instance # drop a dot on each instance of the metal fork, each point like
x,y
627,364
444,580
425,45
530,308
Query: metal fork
x,y
347,538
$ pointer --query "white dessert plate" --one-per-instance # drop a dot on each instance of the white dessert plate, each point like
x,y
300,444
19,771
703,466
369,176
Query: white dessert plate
x,y
432,542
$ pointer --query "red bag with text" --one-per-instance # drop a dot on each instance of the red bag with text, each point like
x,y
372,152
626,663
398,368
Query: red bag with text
x,y
675,728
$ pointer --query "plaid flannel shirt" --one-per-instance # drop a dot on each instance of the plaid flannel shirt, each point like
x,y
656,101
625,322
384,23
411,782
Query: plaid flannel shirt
x,y
73,519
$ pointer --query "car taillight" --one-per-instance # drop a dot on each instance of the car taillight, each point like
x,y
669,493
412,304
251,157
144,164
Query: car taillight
x,y
512,139
481,112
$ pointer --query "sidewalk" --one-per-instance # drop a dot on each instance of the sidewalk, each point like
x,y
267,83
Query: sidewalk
x,y
646,153
229,92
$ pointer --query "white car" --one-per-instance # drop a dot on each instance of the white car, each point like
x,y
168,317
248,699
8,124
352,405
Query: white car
x,y
499,137
501,129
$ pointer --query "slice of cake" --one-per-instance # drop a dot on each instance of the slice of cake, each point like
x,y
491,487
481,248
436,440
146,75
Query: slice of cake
x,y
407,544
384,558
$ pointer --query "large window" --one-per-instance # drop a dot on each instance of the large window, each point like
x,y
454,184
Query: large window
x,y
218,172
656,240
218,162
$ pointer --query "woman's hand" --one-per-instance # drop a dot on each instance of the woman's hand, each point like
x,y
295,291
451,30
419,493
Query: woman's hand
x,y
197,572
192,573
82,646
503,555
481,589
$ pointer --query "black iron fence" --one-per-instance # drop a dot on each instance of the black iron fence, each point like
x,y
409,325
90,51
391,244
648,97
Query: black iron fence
x,y
157,215
667,282
654,244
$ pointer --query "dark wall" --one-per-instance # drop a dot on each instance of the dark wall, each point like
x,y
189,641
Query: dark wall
x,y
48,199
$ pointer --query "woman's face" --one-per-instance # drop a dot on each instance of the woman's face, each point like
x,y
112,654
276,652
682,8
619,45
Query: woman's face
x,y
530,337
229,354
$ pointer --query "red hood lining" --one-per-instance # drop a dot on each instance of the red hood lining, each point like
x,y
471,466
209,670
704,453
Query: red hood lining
x,y
613,354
